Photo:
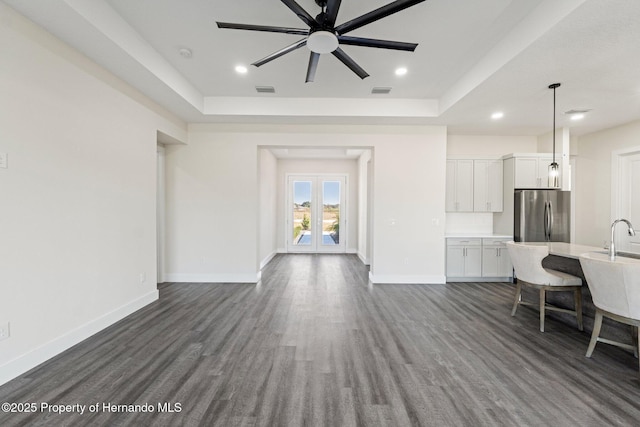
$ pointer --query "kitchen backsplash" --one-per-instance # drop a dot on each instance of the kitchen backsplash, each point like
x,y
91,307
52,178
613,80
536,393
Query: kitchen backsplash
x,y
469,222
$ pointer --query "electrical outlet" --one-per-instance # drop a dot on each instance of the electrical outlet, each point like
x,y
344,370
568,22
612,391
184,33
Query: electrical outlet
x,y
3,160
143,277
4,331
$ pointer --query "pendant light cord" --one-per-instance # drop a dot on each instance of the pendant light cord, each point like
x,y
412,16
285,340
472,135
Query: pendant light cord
x,y
554,125
554,86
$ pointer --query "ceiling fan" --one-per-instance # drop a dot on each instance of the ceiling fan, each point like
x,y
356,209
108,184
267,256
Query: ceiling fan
x,y
323,36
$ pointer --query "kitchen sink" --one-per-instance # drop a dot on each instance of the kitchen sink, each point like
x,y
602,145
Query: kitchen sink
x,y
628,254
622,254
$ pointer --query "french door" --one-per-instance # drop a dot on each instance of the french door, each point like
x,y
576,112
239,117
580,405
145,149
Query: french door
x,y
316,213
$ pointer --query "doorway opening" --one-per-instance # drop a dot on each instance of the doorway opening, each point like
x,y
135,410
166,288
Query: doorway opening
x,y
316,212
626,196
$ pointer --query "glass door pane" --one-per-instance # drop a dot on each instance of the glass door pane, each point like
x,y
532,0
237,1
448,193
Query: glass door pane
x,y
330,213
315,213
302,214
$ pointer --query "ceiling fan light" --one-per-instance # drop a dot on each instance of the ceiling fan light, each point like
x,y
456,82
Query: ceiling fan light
x,y
322,42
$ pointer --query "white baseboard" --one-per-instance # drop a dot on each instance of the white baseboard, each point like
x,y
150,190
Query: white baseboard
x,y
266,260
33,358
480,279
407,279
212,278
363,258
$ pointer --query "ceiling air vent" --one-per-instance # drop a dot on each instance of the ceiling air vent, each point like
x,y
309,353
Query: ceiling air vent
x,y
380,90
265,89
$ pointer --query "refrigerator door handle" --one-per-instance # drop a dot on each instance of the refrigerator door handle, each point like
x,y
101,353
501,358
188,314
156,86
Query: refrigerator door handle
x,y
522,219
550,220
546,221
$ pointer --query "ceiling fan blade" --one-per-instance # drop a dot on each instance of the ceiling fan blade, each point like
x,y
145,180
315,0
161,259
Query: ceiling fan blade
x,y
281,52
384,44
346,60
332,11
266,28
374,15
302,14
313,66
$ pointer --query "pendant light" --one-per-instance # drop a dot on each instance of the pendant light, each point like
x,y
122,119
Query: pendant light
x,y
554,170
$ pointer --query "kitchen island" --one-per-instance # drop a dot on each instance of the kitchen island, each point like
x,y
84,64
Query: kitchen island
x,y
565,257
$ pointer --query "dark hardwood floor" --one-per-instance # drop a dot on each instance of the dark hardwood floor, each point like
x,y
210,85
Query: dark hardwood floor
x,y
315,344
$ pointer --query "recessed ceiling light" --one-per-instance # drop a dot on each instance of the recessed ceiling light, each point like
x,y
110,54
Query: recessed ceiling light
x,y
241,69
497,115
401,71
576,114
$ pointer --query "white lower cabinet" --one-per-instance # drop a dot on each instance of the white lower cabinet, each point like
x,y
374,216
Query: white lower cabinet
x,y
464,257
478,259
495,258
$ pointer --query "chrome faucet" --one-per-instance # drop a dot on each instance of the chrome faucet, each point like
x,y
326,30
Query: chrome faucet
x,y
612,246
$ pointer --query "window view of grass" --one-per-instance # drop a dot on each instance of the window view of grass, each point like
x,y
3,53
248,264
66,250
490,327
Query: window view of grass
x,y
303,213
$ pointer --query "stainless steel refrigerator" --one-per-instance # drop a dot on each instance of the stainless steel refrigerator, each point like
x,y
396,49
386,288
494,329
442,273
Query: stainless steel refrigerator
x,y
542,216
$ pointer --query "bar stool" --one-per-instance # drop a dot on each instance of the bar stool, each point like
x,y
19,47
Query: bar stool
x,y
615,289
527,263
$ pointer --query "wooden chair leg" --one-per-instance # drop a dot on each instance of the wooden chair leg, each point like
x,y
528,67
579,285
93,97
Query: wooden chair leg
x,y
578,302
518,296
597,325
542,305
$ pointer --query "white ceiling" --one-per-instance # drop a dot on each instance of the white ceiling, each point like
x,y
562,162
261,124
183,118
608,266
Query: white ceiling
x,y
473,58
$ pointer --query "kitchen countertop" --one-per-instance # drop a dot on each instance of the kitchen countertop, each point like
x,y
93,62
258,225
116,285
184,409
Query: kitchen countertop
x,y
477,236
570,250
620,259
567,250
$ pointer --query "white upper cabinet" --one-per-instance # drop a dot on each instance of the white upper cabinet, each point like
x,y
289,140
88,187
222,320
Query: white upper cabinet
x,y
487,185
532,172
474,185
459,186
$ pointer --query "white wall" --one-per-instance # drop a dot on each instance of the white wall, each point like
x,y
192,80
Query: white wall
x,y
212,208
318,167
364,206
489,146
593,180
212,194
268,206
78,197
408,208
